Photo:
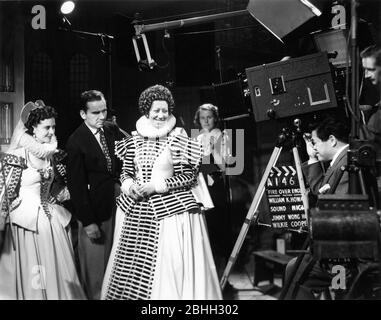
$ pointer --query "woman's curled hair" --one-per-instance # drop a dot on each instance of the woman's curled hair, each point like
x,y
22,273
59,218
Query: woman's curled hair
x,y
206,107
37,115
154,93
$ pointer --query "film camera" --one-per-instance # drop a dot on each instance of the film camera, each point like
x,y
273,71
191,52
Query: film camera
x,y
292,87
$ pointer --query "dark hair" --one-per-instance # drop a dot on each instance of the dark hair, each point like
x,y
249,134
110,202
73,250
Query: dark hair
x,y
89,96
369,51
377,57
374,52
332,126
154,93
206,107
37,115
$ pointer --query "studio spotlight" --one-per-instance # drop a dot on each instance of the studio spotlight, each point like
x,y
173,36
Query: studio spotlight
x,y
280,17
67,7
313,5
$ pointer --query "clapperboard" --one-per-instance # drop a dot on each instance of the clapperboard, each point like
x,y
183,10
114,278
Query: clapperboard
x,y
285,199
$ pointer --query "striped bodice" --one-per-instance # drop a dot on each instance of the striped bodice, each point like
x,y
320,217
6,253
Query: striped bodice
x,y
144,157
147,152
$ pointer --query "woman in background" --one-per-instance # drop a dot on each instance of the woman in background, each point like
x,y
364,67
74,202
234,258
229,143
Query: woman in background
x,y
216,151
161,247
37,259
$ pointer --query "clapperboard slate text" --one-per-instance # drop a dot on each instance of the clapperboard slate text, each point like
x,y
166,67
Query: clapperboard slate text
x,y
285,199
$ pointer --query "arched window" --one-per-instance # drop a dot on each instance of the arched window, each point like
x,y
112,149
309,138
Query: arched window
x,y
79,77
42,77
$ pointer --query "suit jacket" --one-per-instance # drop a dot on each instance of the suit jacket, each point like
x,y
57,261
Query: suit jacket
x,y
316,176
91,185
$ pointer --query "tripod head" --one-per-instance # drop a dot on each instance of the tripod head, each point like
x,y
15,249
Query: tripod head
x,y
291,134
361,167
361,154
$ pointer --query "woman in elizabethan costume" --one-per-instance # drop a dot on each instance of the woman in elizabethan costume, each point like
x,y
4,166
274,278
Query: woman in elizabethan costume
x,y
161,248
37,259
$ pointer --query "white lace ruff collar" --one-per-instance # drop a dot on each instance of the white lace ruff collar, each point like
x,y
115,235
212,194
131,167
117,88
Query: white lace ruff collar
x,y
145,128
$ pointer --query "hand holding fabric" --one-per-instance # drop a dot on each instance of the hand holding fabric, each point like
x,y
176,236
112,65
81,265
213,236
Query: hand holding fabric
x,y
93,232
134,193
63,195
146,189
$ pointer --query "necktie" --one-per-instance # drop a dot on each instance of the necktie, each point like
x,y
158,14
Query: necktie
x,y
105,149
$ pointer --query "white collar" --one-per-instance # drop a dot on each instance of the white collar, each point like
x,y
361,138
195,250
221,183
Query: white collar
x,y
93,130
146,129
337,154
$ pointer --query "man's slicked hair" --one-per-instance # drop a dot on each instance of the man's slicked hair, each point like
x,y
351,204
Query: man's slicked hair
x,y
369,51
372,52
339,128
89,96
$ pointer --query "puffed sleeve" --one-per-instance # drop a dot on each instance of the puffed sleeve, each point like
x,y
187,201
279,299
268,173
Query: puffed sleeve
x,y
125,151
11,168
186,155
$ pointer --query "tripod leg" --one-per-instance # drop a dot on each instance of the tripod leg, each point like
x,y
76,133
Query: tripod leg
x,y
302,186
369,187
252,213
303,191
361,180
291,282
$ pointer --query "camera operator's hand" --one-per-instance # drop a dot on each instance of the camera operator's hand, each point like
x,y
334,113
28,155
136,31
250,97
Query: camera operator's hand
x,y
312,153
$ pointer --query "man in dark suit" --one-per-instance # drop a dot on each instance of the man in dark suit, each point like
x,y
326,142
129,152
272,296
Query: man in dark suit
x,y
327,148
93,184
371,63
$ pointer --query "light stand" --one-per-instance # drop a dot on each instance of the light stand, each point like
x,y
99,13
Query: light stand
x,y
226,177
353,189
107,49
218,52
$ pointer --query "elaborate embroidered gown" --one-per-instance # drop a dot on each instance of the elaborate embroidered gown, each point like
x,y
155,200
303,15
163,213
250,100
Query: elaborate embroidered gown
x,y
41,263
161,248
